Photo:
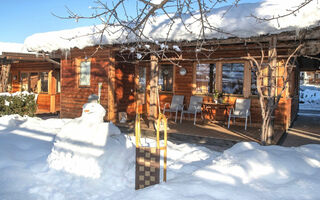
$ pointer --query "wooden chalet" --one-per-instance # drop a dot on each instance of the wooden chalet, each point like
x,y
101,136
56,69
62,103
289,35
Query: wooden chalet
x,y
128,82
36,73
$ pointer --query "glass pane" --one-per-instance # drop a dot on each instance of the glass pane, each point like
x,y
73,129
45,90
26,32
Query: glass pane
x,y
232,78
24,81
34,77
44,81
58,83
85,73
10,82
205,78
142,79
166,77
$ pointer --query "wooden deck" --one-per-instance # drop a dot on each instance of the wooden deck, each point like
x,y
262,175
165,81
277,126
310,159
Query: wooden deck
x,y
215,130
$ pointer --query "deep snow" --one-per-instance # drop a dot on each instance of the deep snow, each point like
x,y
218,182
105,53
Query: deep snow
x,y
11,47
236,21
245,171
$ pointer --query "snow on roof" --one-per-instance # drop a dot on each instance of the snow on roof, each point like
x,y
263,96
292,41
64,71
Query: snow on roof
x,y
236,21
11,47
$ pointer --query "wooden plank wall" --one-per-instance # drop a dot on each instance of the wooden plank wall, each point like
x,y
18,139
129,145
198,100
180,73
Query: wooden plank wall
x,y
43,103
74,96
44,99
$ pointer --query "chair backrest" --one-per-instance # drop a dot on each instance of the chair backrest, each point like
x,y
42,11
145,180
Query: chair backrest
x,y
176,101
242,105
195,102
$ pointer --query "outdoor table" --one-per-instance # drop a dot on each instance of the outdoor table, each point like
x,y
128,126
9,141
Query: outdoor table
x,y
209,106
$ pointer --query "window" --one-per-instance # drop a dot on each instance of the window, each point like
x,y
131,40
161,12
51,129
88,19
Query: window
x,y
34,77
44,81
10,82
58,83
254,90
142,80
85,68
232,78
24,81
205,78
166,77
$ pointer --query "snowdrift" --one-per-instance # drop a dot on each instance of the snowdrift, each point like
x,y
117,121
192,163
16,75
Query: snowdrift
x,y
245,171
88,147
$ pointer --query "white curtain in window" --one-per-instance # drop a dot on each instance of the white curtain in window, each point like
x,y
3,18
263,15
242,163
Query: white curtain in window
x,y
85,68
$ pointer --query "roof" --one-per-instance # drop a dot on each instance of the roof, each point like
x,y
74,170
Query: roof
x,y
236,21
11,47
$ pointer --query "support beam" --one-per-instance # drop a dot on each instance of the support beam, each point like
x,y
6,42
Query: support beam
x,y
4,76
112,107
52,91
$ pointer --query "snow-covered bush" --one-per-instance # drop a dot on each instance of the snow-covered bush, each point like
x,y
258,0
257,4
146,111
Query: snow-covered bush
x,y
18,103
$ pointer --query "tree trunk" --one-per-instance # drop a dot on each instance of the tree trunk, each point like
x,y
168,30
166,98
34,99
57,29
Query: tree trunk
x,y
267,130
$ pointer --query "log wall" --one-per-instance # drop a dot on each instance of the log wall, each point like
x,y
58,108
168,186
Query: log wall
x,y
123,85
73,96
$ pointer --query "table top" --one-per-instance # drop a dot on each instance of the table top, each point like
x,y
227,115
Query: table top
x,y
215,104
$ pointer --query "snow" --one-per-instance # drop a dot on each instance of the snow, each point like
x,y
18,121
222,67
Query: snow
x,y
236,21
37,163
11,47
81,148
310,94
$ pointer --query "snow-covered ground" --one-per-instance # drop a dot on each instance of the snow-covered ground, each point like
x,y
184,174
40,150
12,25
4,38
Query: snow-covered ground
x,y
45,159
309,99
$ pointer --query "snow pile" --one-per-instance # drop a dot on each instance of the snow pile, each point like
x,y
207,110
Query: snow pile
x,y
248,171
310,94
236,21
245,171
86,145
11,47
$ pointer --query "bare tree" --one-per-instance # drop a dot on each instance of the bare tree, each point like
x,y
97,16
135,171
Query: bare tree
x,y
133,27
271,93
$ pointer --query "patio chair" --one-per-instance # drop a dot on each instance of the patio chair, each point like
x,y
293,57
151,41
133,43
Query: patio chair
x,y
194,108
241,110
175,106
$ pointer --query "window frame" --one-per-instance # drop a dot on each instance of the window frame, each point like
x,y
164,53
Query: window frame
x,y
212,85
77,63
173,78
243,77
218,76
39,84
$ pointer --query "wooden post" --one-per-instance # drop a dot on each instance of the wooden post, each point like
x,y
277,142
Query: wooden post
x,y
52,91
218,78
4,76
154,75
112,109
247,80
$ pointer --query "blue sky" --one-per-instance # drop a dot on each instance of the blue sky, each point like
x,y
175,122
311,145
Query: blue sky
x,y
22,18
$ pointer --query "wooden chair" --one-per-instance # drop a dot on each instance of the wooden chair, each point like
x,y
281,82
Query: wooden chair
x,y
194,108
175,106
241,110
